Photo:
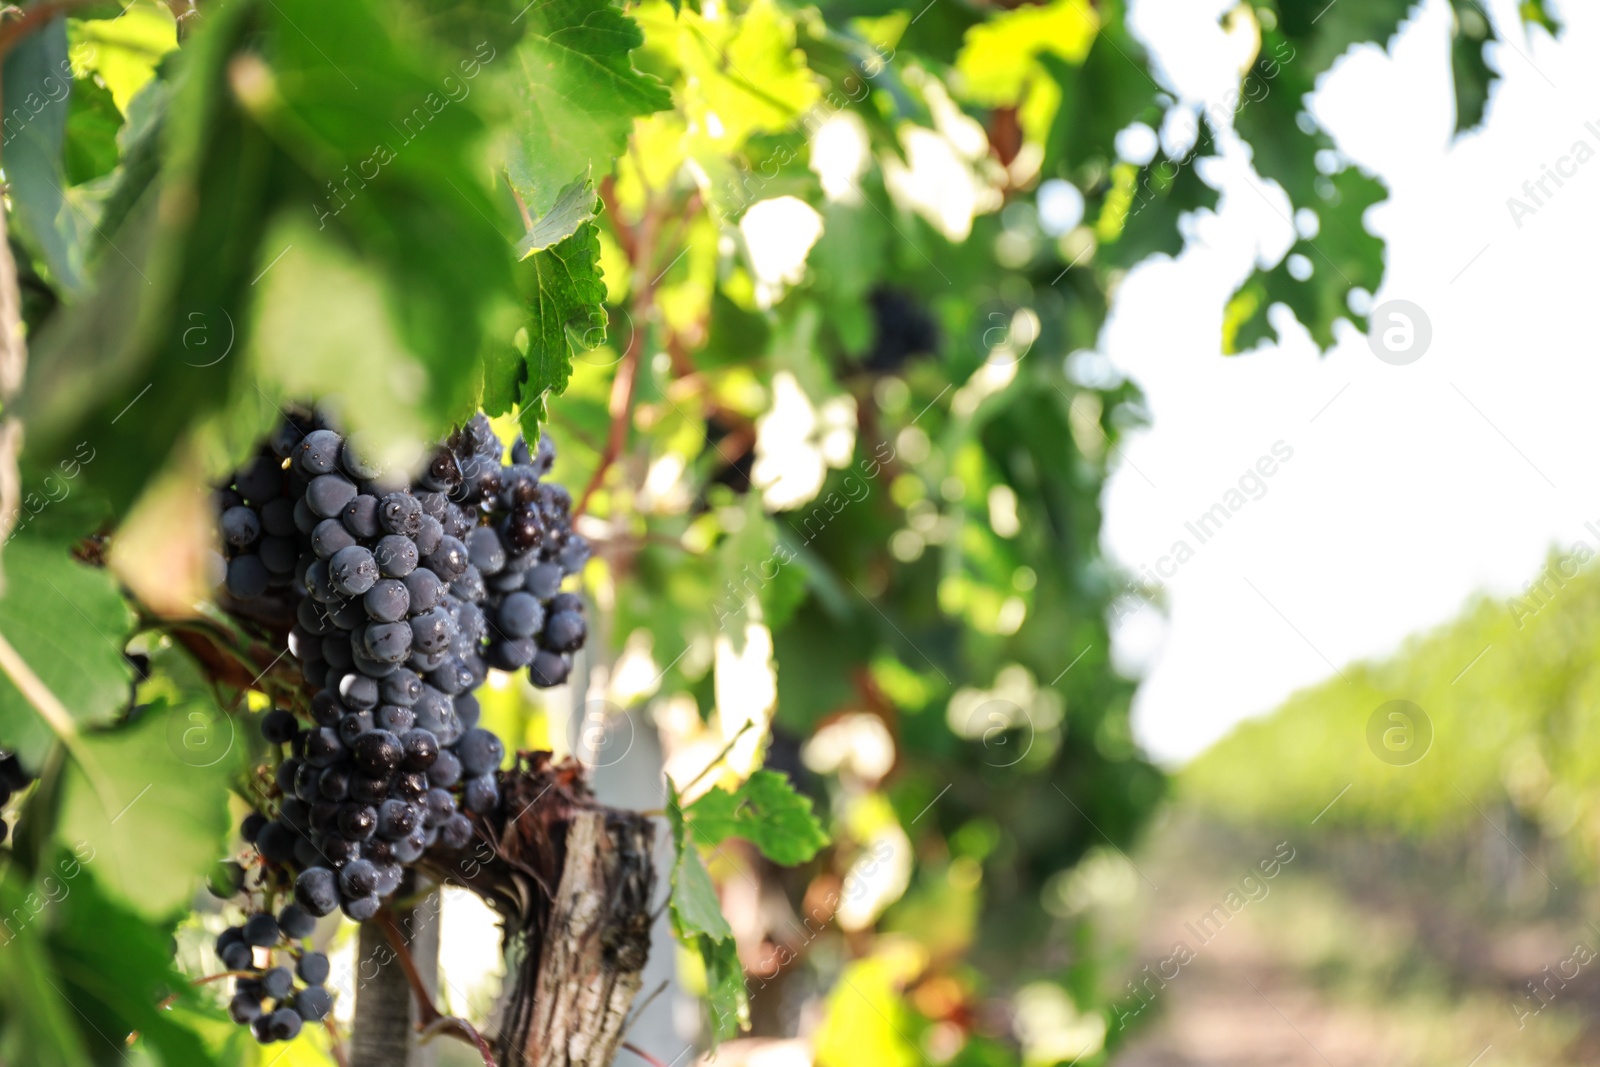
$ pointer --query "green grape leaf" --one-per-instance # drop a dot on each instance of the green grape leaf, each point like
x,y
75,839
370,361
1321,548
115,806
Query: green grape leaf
x,y
699,925
82,973
125,50
741,76
150,800
1469,36
92,126
1111,88
696,910
727,996
565,295
1141,215
1343,256
579,93
1537,13
1323,32
37,83
765,811
68,622
575,206
1273,95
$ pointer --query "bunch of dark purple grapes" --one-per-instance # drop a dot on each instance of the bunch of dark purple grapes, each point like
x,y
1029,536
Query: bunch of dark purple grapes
x,y
404,593
269,1000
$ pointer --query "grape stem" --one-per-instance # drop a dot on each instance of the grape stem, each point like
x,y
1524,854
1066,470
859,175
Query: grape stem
x,y
642,1054
638,242
339,1055
732,741
430,1020
167,1001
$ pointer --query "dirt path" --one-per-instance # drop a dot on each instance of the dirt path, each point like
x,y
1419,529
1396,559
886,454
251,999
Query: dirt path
x,y
1315,973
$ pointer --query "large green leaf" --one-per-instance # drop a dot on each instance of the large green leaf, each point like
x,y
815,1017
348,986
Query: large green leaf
x,y
79,975
155,810
324,112
37,87
69,623
765,811
578,95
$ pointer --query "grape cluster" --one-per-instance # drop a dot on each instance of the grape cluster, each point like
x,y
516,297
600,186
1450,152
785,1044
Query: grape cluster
x,y
267,998
404,592
13,779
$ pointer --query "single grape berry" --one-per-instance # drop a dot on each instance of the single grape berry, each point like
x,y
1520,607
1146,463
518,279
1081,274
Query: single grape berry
x,y
446,769
330,537
329,494
358,879
361,909
352,571
296,922
481,795
396,719
548,669
317,891
278,727
357,822
319,452
377,752
261,930
396,555
247,577
244,1009
313,1003
387,601
285,1024
313,968
360,516
237,956
400,513
419,750
277,983
520,615
396,819
456,831
240,526
565,631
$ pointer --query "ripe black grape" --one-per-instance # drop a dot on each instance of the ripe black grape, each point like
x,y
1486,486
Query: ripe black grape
x,y
313,1003
313,968
316,891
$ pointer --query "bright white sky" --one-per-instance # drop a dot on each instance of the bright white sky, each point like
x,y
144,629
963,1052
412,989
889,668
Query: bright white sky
x,y
1410,487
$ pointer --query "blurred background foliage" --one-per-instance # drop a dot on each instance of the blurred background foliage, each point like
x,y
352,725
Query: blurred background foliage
x,y
809,296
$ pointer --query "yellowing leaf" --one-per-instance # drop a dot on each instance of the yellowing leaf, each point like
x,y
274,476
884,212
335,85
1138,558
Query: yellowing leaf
x,y
998,57
866,1020
124,51
742,73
